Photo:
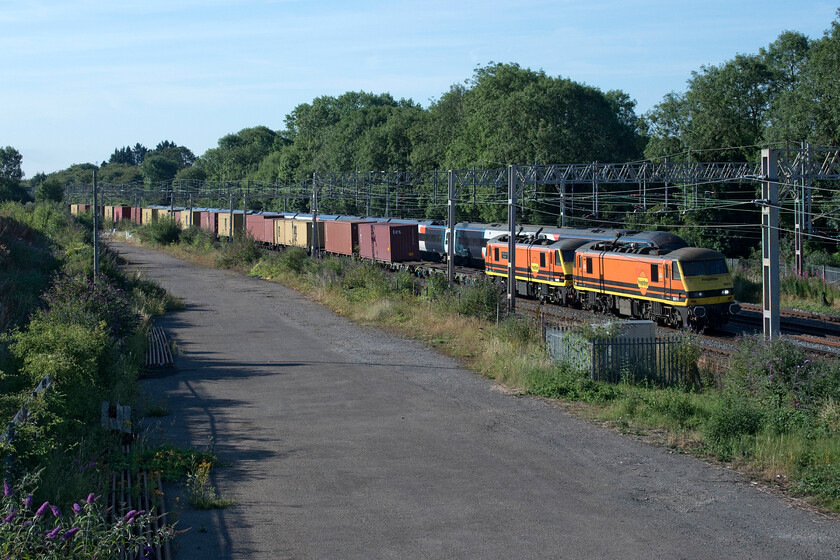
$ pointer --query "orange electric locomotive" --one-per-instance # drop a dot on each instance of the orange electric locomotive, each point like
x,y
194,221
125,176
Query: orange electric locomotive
x,y
543,266
682,287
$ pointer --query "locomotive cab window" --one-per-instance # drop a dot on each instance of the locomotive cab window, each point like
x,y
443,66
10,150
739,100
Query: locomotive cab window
x,y
542,260
589,265
705,268
495,253
675,275
654,273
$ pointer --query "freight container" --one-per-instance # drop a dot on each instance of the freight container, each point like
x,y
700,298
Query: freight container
x,y
297,232
255,225
150,215
190,218
269,228
210,220
121,213
109,213
342,237
223,229
389,242
260,226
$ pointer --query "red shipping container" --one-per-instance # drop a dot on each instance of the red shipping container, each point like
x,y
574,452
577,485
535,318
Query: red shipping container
x,y
389,242
268,228
122,213
342,236
255,224
210,221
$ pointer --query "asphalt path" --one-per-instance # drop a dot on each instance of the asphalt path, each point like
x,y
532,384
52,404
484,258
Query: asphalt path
x,y
341,441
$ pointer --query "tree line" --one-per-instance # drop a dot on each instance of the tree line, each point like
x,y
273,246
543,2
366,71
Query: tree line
x,y
784,94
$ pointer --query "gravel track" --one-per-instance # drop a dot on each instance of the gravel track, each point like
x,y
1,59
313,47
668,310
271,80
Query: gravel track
x,y
346,442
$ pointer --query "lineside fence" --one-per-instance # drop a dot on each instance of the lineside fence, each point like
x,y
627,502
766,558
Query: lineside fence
x,y
661,360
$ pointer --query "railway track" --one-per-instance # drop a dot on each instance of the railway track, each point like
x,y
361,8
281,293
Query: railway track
x,y
820,331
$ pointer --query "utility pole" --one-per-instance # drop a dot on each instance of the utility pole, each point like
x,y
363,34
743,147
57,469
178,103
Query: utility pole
x,y
799,214
450,222
95,230
315,243
808,209
230,224
770,243
511,238
595,188
245,212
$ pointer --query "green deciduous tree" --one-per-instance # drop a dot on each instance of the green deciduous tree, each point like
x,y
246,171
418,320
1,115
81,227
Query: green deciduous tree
x,y
11,175
238,154
119,174
50,189
821,89
517,115
158,168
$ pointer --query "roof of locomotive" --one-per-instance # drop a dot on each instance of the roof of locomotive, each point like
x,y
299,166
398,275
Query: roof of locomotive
x,y
683,254
660,239
695,254
531,241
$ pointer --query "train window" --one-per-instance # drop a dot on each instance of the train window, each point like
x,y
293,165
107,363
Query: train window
x,y
504,255
654,273
589,265
495,253
667,271
542,260
675,275
704,268
716,267
557,260
568,256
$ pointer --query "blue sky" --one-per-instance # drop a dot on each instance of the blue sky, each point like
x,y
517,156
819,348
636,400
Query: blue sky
x,y
80,78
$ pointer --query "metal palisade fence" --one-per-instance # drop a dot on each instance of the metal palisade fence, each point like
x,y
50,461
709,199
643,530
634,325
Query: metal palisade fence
x,y
661,360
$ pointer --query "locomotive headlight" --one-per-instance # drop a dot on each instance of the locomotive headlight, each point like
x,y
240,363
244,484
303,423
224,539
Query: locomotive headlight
x,y
724,292
699,294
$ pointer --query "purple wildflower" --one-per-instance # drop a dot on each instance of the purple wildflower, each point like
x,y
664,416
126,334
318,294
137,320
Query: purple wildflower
x,y
129,517
7,489
8,518
27,503
77,509
56,511
54,533
91,498
27,523
70,533
45,507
